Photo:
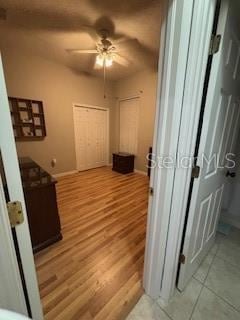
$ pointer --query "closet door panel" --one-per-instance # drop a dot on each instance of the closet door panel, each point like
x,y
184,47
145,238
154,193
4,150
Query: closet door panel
x,y
91,137
129,110
81,137
101,135
91,152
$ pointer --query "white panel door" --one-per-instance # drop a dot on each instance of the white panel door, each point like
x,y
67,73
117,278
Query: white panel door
x,y
91,137
81,136
218,138
91,140
99,138
11,291
129,113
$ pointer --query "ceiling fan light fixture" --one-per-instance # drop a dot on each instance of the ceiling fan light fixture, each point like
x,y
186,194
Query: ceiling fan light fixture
x,y
106,59
100,60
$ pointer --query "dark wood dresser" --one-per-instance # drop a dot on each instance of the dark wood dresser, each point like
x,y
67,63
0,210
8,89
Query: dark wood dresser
x,y
41,203
123,162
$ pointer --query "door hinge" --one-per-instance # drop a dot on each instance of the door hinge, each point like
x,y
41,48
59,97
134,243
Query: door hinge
x,y
151,191
215,44
182,258
15,213
195,172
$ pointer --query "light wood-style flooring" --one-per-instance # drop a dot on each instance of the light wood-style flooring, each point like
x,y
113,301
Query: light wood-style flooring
x,y
95,272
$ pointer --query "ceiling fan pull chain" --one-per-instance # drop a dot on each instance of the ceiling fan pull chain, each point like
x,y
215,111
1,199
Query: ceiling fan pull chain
x,y
104,79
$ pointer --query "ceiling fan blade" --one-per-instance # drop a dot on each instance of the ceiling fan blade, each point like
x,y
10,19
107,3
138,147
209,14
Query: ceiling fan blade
x,y
138,53
91,31
121,60
82,51
120,40
128,44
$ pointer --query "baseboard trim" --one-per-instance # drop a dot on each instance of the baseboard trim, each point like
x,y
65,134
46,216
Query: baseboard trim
x,y
231,219
67,173
63,174
140,172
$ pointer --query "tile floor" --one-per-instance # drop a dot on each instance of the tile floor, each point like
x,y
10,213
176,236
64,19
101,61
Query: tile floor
x,y
212,294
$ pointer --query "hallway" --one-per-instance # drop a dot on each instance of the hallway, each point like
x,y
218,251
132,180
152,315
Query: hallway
x,y
212,294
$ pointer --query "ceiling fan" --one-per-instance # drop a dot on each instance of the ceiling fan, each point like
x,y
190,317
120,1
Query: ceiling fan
x,y
106,53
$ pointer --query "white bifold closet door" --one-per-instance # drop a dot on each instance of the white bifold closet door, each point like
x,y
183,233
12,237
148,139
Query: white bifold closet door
x,y
129,113
90,137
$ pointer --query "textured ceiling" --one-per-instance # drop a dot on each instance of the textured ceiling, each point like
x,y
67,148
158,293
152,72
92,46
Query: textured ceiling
x,y
49,28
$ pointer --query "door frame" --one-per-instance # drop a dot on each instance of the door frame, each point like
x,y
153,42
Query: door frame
x,y
83,105
188,30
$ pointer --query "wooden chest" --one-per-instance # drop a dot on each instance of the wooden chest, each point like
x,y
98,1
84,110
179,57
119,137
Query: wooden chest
x,y
123,162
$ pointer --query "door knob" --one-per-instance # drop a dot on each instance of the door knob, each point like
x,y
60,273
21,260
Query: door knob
x,y
231,174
